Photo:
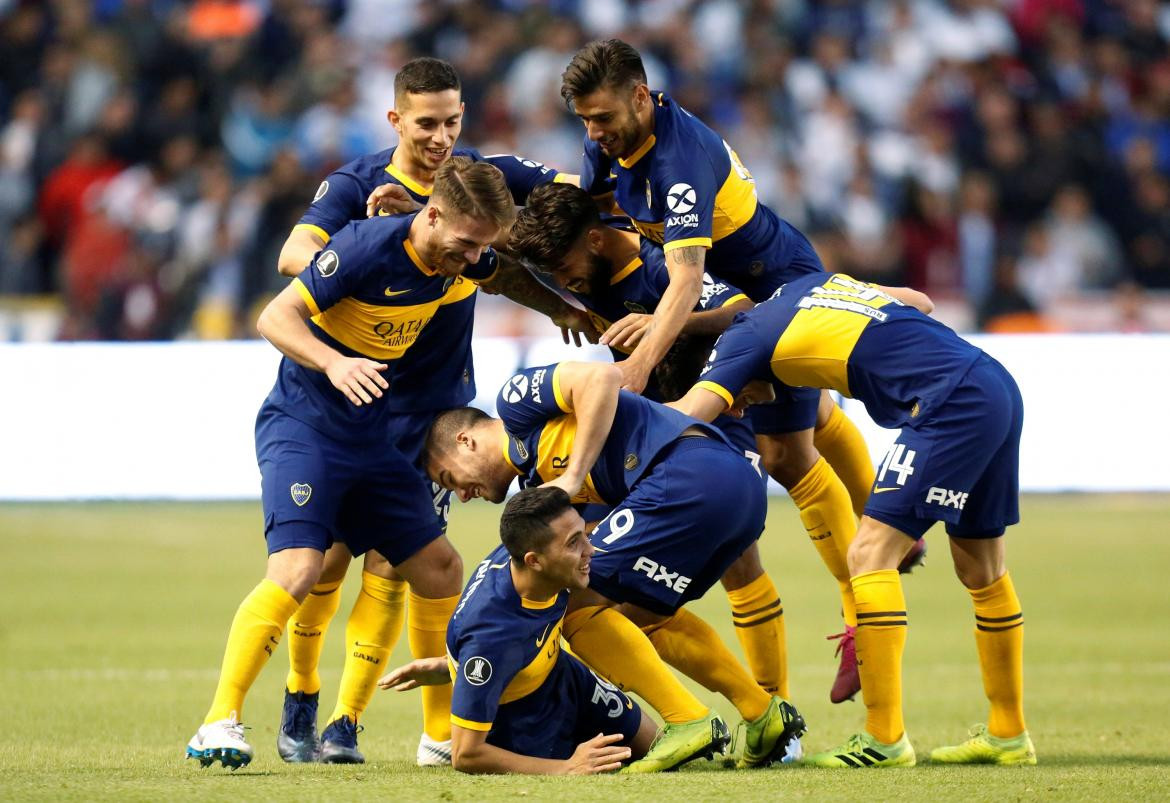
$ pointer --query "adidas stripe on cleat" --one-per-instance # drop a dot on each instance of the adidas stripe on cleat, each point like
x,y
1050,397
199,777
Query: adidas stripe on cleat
x,y
983,748
432,753
221,741
862,751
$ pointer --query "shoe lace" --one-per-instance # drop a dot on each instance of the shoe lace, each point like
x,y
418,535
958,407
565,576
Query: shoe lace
x,y
235,727
346,728
856,743
301,718
842,639
977,730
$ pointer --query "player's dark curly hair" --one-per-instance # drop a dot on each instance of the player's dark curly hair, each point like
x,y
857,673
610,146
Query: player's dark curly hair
x,y
424,75
524,527
552,222
609,63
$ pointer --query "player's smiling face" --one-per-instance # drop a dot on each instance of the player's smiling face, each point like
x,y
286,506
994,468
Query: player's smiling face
x,y
428,125
471,470
456,241
612,120
565,561
581,270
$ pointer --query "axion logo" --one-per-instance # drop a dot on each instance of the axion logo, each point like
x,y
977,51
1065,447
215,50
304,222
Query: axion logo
x,y
516,389
681,198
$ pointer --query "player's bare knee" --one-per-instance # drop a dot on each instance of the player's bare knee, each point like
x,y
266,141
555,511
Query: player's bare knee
x,y
295,570
877,547
746,569
335,564
788,457
376,564
978,562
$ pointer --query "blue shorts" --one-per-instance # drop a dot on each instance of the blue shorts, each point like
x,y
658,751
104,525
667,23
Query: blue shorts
x,y
698,509
961,465
572,706
316,490
794,410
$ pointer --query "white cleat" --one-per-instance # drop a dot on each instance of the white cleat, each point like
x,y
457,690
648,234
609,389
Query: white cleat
x,y
432,753
221,741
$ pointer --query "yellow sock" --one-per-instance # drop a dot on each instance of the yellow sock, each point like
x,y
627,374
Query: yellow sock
x,y
828,517
426,629
306,634
370,635
880,640
693,647
999,637
255,633
842,444
758,616
618,651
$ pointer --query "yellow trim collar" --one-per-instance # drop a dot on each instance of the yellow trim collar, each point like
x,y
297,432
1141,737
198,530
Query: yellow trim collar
x,y
407,181
416,259
638,154
635,263
538,604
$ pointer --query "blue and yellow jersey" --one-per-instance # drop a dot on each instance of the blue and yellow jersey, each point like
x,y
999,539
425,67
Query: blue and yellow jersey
x,y
845,335
370,295
501,647
638,286
541,426
685,186
424,382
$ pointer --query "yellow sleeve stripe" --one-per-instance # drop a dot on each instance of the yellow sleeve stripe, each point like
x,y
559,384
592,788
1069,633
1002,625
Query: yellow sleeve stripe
x,y
317,230
734,298
635,263
488,279
310,302
718,390
556,383
471,725
673,244
567,178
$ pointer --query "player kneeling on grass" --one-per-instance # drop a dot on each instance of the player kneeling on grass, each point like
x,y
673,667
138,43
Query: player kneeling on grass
x,y
520,703
956,460
686,507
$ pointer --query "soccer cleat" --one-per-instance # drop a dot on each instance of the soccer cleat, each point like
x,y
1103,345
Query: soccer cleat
x,y
678,744
221,741
432,753
339,742
862,750
773,736
983,748
914,558
848,681
297,741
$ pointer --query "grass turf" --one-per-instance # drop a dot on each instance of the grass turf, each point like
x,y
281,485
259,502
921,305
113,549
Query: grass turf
x,y
115,616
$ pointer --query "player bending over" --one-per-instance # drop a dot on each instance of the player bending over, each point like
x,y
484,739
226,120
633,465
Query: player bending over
x,y
956,460
686,507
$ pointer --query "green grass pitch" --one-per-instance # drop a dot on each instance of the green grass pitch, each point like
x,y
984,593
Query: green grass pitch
x,y
114,619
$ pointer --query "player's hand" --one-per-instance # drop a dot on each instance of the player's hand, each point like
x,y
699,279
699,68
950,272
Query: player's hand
x,y
634,376
627,333
574,324
421,672
358,378
393,199
599,754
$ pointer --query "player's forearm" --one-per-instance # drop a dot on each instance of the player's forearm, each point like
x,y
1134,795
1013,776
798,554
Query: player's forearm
x,y
592,390
297,252
488,759
675,307
914,298
282,326
700,403
514,281
714,321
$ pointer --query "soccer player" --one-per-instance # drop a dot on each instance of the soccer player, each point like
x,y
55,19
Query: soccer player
x,y
427,116
956,461
686,505
336,457
520,703
685,188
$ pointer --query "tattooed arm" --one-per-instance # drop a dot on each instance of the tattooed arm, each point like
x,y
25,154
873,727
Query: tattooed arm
x,y
685,266
515,281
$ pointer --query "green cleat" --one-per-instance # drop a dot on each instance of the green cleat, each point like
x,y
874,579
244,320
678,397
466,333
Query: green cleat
x,y
773,736
678,744
983,748
862,750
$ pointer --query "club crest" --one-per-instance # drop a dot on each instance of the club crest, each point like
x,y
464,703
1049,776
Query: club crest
x,y
301,491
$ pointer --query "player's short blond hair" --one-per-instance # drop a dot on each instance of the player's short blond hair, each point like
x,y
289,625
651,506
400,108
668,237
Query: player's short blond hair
x,y
474,189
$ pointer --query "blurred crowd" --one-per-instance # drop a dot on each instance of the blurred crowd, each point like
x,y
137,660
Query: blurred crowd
x,y
1009,157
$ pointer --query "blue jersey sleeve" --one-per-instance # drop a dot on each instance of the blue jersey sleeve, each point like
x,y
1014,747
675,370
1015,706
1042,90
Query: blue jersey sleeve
x,y
687,186
595,171
482,672
529,399
716,292
522,175
739,357
340,269
340,199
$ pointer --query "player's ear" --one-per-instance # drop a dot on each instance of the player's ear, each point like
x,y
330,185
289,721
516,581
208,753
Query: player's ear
x,y
593,239
532,561
395,119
